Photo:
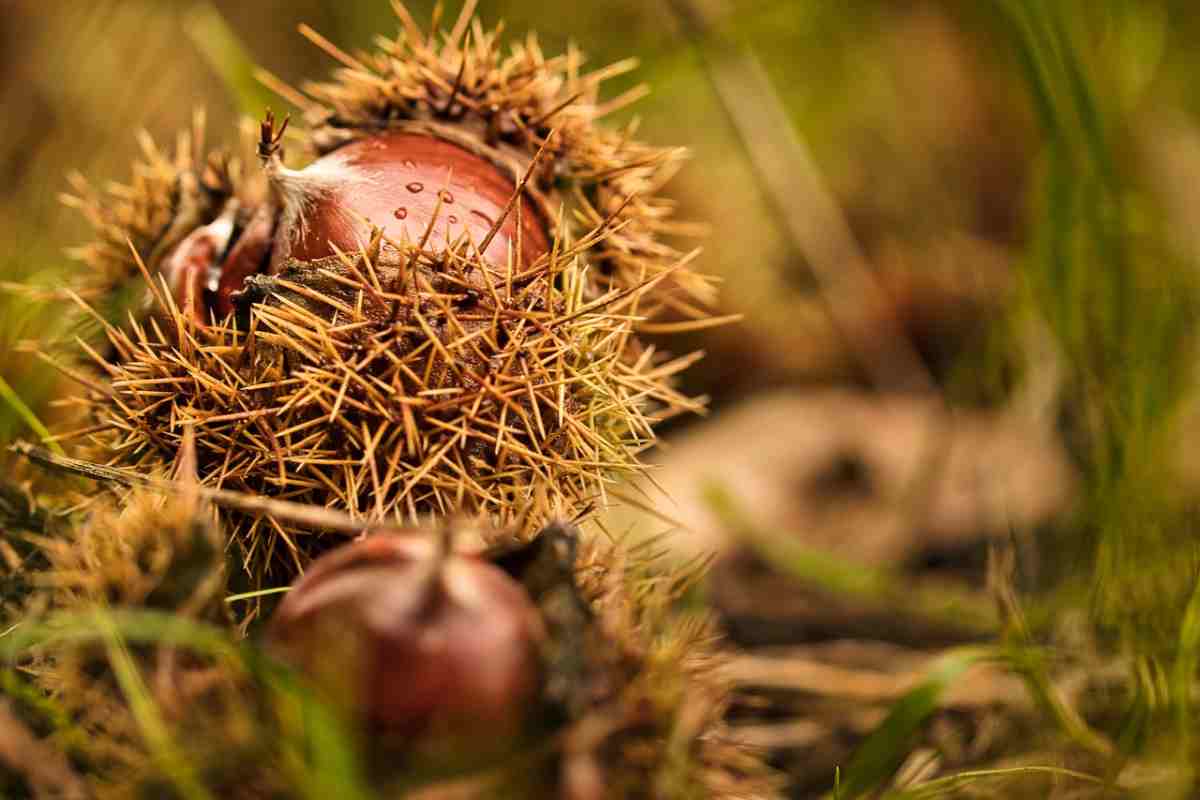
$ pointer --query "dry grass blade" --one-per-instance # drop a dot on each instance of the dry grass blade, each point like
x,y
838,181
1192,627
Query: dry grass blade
x,y
808,210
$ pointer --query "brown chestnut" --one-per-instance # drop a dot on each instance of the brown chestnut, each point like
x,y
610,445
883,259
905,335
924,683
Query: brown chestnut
x,y
408,185
435,650
247,257
396,182
186,268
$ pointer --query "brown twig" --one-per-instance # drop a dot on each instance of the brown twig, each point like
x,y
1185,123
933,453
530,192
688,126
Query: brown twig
x,y
309,516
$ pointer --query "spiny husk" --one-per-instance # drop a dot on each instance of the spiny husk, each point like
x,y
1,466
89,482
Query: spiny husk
x,y
141,552
169,196
641,687
434,383
149,551
464,86
656,694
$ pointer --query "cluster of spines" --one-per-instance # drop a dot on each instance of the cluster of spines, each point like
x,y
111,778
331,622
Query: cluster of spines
x,y
170,194
145,551
651,720
645,719
437,385
150,553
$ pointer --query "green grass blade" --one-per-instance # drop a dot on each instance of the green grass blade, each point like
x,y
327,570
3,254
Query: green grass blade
x,y
1183,675
789,556
951,783
793,558
26,414
233,598
884,750
138,626
17,689
318,751
145,712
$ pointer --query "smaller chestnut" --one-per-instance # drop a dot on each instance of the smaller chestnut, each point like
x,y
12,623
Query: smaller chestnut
x,y
190,266
435,651
247,257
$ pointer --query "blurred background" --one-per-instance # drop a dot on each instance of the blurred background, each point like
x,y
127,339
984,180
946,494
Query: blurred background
x,y
949,471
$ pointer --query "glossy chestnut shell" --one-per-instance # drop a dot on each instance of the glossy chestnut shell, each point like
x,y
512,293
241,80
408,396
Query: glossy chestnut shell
x,y
443,652
413,187
398,181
